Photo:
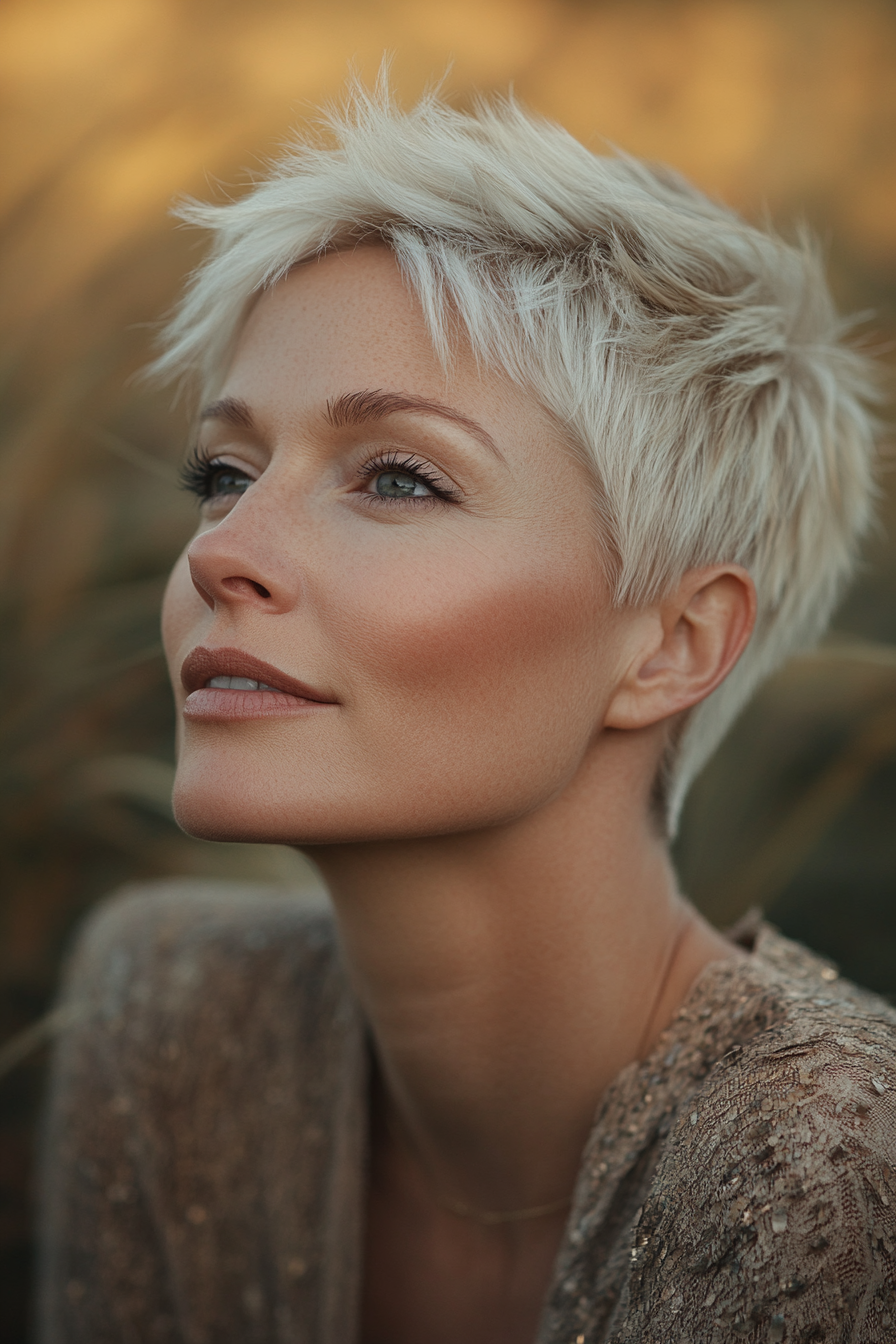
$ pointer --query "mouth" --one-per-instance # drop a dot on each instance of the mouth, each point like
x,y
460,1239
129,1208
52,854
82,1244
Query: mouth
x,y
230,684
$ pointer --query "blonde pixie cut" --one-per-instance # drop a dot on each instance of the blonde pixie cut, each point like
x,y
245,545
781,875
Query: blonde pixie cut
x,y
695,362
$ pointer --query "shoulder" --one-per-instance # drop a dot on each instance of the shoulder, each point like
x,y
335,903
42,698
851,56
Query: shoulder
x,y
205,1101
173,935
170,966
180,912
774,1207
193,1001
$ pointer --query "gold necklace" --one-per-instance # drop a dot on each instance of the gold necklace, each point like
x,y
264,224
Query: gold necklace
x,y
487,1217
495,1217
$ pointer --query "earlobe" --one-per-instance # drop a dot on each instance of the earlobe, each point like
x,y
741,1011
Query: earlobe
x,y
687,645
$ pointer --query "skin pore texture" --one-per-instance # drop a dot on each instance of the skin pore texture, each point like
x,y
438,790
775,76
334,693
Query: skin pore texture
x,y
462,733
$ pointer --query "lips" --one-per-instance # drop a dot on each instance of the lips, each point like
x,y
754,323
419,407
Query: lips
x,y
270,692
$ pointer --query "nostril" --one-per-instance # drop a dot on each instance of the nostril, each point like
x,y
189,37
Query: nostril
x,y
242,586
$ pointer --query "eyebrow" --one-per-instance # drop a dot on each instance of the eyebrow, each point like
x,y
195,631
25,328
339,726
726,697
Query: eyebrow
x,y
363,408
359,408
232,411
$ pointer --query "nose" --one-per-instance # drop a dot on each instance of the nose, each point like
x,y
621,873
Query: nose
x,y
238,562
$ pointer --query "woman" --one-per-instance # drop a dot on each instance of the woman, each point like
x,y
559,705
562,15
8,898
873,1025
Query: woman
x,y
518,469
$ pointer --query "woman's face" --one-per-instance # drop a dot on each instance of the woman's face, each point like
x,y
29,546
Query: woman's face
x,y
407,557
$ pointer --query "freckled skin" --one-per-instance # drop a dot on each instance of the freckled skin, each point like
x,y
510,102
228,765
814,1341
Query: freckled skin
x,y
464,641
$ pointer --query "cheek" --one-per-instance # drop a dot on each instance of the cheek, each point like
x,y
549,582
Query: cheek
x,y
504,657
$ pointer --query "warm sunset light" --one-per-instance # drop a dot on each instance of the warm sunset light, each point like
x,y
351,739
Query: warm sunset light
x,y
111,110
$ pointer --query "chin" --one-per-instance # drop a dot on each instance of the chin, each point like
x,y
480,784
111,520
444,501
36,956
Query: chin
x,y
247,816
210,818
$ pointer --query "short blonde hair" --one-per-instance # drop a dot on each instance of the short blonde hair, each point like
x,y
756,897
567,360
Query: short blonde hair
x,y
696,362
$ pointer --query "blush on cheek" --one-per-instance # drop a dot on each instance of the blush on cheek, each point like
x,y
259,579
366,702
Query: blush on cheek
x,y
473,632
484,690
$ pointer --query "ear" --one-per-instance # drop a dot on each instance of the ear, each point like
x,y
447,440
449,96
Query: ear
x,y
684,646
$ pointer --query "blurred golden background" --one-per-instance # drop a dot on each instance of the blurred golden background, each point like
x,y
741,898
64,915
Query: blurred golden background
x,y
785,108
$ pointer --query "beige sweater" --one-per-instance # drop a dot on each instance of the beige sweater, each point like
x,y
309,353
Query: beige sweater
x,y
205,1147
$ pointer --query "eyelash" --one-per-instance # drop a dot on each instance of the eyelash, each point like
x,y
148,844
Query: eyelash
x,y
198,472
411,466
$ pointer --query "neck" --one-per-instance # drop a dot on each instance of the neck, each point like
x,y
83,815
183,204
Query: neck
x,y
509,974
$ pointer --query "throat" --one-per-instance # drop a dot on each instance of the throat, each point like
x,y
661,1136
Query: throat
x,y
436,1275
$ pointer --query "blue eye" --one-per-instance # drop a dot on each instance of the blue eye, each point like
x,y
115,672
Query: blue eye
x,y
210,479
394,476
399,485
227,481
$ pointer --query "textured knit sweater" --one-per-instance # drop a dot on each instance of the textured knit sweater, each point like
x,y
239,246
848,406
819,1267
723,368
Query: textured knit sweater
x,y
204,1150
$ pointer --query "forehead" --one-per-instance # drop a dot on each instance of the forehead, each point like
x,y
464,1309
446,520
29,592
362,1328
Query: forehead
x,y
357,300
349,322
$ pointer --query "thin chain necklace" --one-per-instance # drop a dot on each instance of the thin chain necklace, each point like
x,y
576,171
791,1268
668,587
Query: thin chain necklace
x,y
661,987
499,1217
486,1217
496,1217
